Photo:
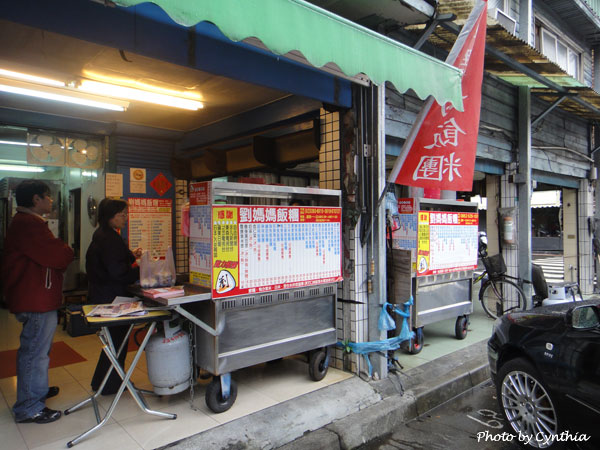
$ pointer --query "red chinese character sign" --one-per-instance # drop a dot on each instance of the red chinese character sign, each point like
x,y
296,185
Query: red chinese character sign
x,y
439,152
160,184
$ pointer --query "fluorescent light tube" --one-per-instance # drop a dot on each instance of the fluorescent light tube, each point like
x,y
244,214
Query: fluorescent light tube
x,y
21,168
61,95
32,78
19,143
112,90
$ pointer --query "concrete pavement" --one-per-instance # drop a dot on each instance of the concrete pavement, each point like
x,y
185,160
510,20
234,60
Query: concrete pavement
x,y
348,414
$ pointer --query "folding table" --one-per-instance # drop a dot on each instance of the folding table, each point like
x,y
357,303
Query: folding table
x,y
104,323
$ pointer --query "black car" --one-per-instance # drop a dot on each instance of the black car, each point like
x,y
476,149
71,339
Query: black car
x,y
545,364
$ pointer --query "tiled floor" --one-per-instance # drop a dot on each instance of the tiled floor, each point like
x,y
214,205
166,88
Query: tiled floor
x,y
259,387
129,428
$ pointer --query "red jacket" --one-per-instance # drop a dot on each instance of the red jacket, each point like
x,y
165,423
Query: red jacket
x,y
33,265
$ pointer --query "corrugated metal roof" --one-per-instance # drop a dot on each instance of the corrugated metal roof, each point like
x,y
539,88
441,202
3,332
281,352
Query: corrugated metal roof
x,y
520,51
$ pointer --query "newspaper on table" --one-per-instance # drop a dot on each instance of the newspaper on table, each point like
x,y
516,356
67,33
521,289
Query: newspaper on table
x,y
119,309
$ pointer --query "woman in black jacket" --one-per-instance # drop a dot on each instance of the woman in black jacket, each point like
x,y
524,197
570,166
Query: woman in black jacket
x,y
109,267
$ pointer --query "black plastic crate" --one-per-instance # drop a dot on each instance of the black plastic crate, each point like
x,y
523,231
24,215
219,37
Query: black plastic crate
x,y
76,324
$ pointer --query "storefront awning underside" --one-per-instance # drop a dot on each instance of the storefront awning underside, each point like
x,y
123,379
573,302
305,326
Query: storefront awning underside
x,y
322,38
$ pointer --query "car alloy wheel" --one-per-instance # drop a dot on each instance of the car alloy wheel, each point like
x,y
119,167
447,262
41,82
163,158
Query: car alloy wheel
x,y
527,405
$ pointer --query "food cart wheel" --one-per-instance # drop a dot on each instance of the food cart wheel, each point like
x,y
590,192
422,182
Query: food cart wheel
x,y
416,344
214,395
460,329
318,363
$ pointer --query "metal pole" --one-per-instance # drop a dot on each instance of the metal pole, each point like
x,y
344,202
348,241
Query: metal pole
x,y
524,188
376,253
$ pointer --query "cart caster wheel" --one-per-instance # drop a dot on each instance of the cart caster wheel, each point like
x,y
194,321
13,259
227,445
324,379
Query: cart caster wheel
x,y
214,396
416,344
460,329
318,363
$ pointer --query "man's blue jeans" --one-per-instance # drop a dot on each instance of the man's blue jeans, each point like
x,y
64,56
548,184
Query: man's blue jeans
x,y
32,362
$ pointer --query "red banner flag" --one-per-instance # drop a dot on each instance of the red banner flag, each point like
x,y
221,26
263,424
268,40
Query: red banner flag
x,y
439,152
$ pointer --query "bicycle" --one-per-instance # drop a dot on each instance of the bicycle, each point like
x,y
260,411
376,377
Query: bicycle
x,y
498,294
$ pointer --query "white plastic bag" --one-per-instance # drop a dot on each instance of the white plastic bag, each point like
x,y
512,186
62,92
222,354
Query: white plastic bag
x,y
157,272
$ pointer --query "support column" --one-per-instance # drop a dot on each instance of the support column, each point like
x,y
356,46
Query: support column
x,y
492,193
524,188
378,250
585,233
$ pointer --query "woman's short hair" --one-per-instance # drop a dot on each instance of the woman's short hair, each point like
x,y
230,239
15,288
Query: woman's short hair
x,y
109,208
27,189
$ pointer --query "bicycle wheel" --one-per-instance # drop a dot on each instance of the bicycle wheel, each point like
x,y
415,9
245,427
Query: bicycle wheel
x,y
499,297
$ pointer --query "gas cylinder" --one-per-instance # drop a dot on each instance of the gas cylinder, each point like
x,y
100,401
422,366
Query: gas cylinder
x,y
168,360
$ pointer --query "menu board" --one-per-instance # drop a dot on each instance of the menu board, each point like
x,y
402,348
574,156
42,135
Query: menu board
x,y
266,248
447,242
404,226
200,234
150,222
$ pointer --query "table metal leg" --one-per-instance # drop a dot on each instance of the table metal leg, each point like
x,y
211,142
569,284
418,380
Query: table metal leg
x,y
110,353
93,399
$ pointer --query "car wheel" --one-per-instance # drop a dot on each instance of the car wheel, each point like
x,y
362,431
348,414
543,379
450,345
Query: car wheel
x,y
527,404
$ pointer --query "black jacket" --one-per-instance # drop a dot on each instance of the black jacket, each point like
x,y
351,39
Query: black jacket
x,y
108,265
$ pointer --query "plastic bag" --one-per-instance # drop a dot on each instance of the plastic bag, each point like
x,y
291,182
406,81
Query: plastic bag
x,y
157,272
364,348
386,322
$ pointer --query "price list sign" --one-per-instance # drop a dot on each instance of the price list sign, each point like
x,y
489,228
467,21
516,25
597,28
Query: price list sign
x,y
150,224
266,248
200,234
447,242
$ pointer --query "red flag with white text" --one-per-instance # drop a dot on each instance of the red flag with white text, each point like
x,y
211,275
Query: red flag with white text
x,y
439,152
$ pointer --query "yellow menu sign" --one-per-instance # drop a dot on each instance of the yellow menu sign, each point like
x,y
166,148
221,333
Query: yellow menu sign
x,y
225,249
423,243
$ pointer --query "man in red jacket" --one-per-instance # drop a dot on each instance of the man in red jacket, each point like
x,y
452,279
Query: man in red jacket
x,y
32,272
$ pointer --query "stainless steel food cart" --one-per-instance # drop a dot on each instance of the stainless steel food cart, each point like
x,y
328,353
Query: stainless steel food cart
x,y
263,323
439,294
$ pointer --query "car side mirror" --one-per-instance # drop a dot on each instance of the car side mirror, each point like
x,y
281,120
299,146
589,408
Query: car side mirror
x,y
584,317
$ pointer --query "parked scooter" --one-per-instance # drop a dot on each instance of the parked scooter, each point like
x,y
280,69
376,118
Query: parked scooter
x,y
554,293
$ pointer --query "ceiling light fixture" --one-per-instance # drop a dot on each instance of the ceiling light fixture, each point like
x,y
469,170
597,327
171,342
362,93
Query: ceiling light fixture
x,y
19,143
62,95
32,78
21,168
112,90
140,85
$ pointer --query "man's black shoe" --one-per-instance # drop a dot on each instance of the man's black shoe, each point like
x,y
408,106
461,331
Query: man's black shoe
x,y
46,415
52,391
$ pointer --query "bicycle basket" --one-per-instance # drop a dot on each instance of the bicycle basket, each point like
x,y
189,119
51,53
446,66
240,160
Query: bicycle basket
x,y
494,265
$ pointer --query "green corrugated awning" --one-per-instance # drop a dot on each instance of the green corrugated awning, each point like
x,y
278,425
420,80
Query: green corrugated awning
x,y
321,37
